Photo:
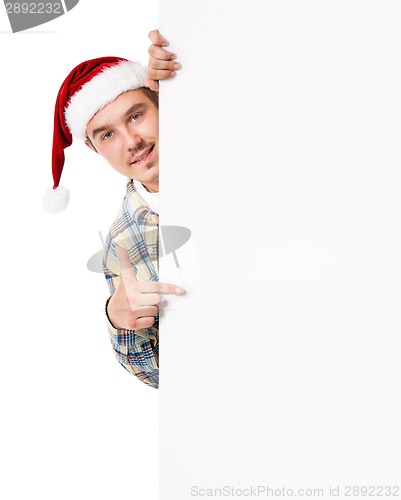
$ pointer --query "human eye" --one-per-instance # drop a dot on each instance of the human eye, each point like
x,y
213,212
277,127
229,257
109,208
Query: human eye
x,y
107,135
135,117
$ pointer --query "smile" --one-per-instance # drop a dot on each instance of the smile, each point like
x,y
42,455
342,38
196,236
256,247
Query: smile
x,y
144,157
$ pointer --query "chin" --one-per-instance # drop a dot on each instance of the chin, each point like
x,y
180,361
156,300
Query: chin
x,y
153,169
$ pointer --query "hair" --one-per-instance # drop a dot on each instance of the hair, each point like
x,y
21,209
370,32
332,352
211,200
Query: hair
x,y
153,96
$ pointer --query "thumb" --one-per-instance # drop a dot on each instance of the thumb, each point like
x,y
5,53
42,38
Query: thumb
x,y
152,84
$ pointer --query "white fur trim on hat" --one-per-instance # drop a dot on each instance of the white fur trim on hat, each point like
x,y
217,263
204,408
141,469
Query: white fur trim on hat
x,y
100,91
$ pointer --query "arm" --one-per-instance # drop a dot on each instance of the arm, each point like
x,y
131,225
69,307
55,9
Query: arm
x,y
137,350
132,315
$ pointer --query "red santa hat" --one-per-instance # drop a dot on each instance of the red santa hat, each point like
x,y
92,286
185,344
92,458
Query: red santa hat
x,y
88,88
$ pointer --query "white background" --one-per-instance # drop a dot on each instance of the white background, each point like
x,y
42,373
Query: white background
x,y
74,423
288,166
282,361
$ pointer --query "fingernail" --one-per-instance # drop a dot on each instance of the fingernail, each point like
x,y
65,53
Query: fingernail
x,y
177,66
173,56
173,73
179,291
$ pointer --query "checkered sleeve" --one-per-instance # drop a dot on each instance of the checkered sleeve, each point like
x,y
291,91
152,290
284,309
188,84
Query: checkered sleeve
x,y
137,353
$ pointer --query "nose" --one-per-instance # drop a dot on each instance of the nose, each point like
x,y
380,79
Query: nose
x,y
131,138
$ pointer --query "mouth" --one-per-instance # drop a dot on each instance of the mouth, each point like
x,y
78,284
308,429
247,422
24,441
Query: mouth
x,y
143,157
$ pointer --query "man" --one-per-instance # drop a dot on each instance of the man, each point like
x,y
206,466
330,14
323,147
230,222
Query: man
x,y
106,103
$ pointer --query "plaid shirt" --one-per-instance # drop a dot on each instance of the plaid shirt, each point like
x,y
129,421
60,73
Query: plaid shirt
x,y
136,229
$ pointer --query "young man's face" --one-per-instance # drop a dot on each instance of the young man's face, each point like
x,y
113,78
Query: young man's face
x,y
126,134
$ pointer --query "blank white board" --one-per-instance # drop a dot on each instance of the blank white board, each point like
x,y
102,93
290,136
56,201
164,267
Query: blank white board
x,y
280,152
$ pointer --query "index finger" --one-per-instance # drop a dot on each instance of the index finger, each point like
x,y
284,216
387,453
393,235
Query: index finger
x,y
160,288
126,270
156,38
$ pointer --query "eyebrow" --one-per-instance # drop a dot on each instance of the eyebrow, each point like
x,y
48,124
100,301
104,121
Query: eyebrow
x,y
129,112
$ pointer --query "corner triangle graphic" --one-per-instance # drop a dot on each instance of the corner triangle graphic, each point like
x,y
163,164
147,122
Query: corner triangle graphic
x,y
26,15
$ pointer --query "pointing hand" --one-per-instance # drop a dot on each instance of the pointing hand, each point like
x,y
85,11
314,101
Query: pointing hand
x,y
134,303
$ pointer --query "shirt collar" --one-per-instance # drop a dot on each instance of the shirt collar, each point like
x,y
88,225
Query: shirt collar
x,y
135,204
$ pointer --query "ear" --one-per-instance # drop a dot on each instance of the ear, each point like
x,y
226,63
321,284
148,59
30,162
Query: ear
x,y
91,146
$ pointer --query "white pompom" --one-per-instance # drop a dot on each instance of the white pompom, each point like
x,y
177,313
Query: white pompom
x,y
55,200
